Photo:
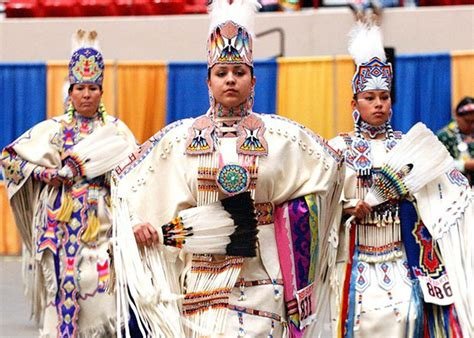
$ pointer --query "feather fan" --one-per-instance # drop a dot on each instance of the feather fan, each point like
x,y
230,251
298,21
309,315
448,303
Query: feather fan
x,y
96,154
227,227
414,162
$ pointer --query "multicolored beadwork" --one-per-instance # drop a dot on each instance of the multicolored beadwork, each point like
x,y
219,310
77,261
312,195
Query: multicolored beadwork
x,y
233,179
372,75
86,66
229,43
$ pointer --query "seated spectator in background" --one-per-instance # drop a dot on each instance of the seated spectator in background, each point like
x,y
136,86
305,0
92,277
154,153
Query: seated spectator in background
x,y
458,137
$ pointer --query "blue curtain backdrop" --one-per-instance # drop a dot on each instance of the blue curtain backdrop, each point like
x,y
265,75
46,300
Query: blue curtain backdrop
x,y
266,86
22,98
187,90
423,91
188,94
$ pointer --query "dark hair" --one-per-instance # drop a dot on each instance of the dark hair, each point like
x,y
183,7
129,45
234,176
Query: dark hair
x,y
209,71
466,100
72,85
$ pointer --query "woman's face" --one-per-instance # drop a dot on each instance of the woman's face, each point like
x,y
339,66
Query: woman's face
x,y
374,106
86,98
231,84
466,122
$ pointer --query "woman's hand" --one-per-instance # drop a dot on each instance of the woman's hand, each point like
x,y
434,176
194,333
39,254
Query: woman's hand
x,y
145,234
49,176
360,211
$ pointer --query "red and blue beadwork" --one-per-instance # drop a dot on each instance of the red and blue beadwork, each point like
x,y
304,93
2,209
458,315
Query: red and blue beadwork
x,y
372,75
86,66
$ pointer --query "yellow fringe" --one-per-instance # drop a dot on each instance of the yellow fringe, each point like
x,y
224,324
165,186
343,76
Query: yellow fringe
x,y
64,212
92,231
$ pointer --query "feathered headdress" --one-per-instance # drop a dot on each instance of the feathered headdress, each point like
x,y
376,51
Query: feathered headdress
x,y
366,48
86,64
231,31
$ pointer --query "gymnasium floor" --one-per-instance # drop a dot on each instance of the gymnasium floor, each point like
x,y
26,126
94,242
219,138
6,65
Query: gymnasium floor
x,y
14,310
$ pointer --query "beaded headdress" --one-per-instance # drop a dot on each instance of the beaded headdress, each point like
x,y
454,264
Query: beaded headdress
x,y
231,32
366,48
86,64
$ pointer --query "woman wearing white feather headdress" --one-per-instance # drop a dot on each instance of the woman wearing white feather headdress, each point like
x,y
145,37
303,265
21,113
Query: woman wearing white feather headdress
x,y
400,226
57,176
206,280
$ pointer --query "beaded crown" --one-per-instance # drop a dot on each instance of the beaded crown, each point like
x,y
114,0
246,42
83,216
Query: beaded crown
x,y
86,64
373,72
231,32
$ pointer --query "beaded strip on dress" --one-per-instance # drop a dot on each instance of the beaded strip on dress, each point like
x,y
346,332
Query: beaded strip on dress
x,y
379,236
79,202
214,179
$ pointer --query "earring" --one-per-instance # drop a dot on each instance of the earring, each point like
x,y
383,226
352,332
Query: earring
x,y
250,100
356,116
211,99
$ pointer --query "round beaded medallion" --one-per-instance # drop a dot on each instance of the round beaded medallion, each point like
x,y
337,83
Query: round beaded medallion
x,y
233,179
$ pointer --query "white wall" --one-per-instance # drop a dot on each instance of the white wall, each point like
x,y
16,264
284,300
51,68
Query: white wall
x,y
310,32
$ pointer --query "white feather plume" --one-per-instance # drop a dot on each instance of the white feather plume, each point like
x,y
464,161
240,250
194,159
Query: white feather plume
x,y
226,227
241,12
365,43
429,157
212,227
83,39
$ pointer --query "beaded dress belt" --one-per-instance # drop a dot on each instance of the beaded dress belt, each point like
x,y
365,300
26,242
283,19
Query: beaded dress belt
x,y
248,283
264,213
255,312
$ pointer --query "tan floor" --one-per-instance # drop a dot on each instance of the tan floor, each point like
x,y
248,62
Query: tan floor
x,y
14,310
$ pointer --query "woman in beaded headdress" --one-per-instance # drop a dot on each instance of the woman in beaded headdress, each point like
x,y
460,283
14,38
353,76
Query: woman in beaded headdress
x,y
57,176
392,278
291,174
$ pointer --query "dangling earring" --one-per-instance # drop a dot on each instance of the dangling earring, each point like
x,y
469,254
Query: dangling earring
x,y
211,98
70,111
211,102
356,116
250,100
102,112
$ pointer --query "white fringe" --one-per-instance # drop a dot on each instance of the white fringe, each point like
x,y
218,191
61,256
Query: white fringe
x,y
145,281
455,237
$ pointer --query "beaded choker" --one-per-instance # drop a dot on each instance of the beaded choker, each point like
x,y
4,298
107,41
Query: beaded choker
x,y
371,130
